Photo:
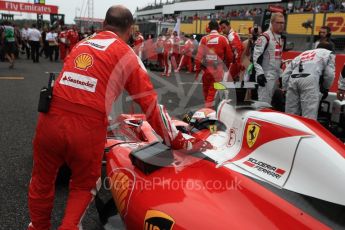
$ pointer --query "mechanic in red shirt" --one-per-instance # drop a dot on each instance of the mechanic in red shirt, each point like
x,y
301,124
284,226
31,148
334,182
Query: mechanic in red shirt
x,y
63,43
168,45
237,49
73,131
160,50
187,52
139,44
73,37
214,53
175,56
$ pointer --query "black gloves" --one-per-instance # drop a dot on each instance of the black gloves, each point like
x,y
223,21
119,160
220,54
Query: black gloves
x,y
261,80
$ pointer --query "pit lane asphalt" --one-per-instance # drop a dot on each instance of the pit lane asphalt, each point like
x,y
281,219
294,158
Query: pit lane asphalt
x,y
18,116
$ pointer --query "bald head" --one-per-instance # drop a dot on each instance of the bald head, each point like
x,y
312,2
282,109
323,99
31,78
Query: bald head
x,y
118,19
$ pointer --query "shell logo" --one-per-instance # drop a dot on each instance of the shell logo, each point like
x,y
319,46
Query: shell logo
x,y
121,189
83,61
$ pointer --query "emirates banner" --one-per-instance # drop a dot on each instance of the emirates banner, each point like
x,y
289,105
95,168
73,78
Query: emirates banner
x,y
28,7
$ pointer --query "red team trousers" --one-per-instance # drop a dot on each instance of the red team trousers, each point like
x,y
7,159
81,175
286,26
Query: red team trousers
x,y
209,77
66,124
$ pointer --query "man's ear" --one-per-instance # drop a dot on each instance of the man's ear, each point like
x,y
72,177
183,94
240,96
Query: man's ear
x,y
128,33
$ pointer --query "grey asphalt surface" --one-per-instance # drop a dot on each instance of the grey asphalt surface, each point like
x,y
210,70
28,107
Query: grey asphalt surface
x,y
18,115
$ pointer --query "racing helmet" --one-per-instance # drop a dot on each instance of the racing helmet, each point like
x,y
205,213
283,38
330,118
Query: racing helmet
x,y
204,119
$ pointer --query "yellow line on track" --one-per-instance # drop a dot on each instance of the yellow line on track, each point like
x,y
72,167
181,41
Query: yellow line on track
x,y
11,78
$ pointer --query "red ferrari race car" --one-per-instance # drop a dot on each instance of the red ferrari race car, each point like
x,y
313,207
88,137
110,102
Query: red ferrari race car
x,y
266,170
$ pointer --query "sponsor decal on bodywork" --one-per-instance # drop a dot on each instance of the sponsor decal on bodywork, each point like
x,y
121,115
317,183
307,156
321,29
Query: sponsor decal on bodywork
x,y
79,81
253,131
213,128
158,220
121,186
258,133
264,168
232,137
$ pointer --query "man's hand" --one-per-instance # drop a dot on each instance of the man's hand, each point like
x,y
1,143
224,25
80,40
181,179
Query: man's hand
x,y
190,144
340,94
261,80
200,145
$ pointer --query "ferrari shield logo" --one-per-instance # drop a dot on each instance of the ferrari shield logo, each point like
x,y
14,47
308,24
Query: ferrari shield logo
x,y
212,128
253,131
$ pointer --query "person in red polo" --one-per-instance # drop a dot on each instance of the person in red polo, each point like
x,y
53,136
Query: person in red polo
x,y
73,131
139,44
175,56
160,50
63,43
167,54
187,52
237,48
215,55
73,37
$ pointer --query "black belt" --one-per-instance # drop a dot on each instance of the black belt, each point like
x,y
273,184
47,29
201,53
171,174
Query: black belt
x,y
300,75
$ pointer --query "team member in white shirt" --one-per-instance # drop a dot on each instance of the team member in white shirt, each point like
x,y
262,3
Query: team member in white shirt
x,y
35,39
25,41
52,39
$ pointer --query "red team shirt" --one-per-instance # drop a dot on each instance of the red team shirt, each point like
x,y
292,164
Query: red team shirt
x,y
85,78
176,45
236,45
138,43
168,45
73,37
213,47
63,35
188,48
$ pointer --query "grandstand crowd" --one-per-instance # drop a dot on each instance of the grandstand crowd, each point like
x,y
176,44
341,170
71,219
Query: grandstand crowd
x,y
246,11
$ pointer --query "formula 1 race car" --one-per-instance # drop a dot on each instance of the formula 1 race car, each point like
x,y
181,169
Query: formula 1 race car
x,y
266,170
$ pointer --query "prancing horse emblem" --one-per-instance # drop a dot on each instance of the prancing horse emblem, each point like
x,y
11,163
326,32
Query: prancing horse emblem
x,y
252,133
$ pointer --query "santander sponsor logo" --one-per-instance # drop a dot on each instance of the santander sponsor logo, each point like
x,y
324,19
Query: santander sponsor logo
x,y
70,79
79,81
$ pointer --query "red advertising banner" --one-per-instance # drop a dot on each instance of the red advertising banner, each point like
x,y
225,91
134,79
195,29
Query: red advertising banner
x,y
276,9
28,7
